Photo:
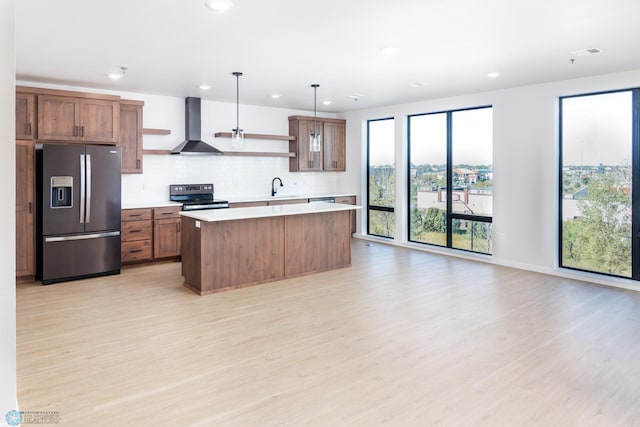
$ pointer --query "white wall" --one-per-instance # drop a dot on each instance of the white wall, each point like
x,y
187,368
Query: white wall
x,y
525,164
233,177
8,394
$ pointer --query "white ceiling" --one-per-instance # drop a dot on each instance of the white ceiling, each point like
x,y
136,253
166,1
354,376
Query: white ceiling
x,y
172,46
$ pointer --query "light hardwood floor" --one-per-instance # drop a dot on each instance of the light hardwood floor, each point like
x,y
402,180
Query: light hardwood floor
x,y
402,338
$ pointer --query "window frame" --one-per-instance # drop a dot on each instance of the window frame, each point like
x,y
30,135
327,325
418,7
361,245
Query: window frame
x,y
369,206
450,215
635,183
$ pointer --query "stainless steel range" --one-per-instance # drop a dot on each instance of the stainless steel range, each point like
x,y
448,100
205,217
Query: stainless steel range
x,y
195,197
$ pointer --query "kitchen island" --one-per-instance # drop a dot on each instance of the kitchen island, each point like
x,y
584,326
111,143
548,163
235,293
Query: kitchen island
x,y
225,249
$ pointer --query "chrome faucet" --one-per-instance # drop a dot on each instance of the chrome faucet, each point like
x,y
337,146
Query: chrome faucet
x,y
273,185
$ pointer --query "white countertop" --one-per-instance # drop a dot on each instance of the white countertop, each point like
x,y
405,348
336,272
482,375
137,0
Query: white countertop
x,y
212,215
164,203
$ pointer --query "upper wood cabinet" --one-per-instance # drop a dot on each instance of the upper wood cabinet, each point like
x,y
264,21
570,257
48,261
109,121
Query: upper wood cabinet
x,y
25,208
334,147
25,116
69,119
131,135
332,155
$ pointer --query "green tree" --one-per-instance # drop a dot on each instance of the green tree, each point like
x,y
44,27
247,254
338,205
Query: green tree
x,y
601,238
435,220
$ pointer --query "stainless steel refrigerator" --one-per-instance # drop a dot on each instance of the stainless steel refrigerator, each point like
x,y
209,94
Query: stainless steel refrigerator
x,y
78,211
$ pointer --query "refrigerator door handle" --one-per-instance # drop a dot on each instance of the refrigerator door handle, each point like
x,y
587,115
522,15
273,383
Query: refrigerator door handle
x,y
82,237
83,185
88,213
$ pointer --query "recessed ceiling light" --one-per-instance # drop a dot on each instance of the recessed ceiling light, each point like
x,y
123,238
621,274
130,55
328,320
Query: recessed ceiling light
x,y
204,87
416,84
218,5
327,102
493,75
275,96
118,75
389,50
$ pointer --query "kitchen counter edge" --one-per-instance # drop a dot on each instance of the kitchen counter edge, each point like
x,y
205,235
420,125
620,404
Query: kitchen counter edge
x,y
166,203
213,215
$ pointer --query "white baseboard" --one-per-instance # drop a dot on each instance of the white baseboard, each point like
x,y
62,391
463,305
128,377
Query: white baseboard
x,y
583,276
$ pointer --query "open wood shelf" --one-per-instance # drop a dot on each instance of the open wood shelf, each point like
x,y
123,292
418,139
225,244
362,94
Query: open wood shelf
x,y
149,131
257,136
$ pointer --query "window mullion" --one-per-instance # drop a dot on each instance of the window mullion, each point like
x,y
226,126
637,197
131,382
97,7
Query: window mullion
x,y
449,180
635,184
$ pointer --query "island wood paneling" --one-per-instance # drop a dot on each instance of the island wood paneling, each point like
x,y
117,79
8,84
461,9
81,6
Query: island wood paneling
x,y
223,255
233,254
317,242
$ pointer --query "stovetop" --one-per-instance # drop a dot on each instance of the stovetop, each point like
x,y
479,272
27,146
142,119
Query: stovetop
x,y
196,197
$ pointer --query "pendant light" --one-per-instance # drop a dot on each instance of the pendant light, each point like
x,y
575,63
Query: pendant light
x,y
314,136
237,137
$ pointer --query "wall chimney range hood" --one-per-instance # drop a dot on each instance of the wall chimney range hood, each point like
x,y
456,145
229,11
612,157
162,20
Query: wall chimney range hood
x,y
193,143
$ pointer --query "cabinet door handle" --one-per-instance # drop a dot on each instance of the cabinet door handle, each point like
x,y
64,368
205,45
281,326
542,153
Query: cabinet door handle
x,y
138,164
133,251
29,207
132,215
82,131
178,227
167,213
135,231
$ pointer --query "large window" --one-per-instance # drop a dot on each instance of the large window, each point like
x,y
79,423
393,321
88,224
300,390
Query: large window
x,y
451,179
382,178
598,173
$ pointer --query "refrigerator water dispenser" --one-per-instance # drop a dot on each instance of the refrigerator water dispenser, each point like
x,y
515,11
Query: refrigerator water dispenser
x,y
61,192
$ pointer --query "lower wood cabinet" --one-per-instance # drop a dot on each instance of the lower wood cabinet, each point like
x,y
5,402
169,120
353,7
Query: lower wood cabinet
x,y
150,233
166,232
137,235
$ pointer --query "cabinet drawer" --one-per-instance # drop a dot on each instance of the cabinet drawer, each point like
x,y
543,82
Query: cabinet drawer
x,y
346,200
136,251
135,214
136,230
167,212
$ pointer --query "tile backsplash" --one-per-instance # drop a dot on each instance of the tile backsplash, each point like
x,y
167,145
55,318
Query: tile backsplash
x,y
233,177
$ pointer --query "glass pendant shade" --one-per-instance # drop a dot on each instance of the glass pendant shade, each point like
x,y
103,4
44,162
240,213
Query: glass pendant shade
x,y
237,139
314,137
314,142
